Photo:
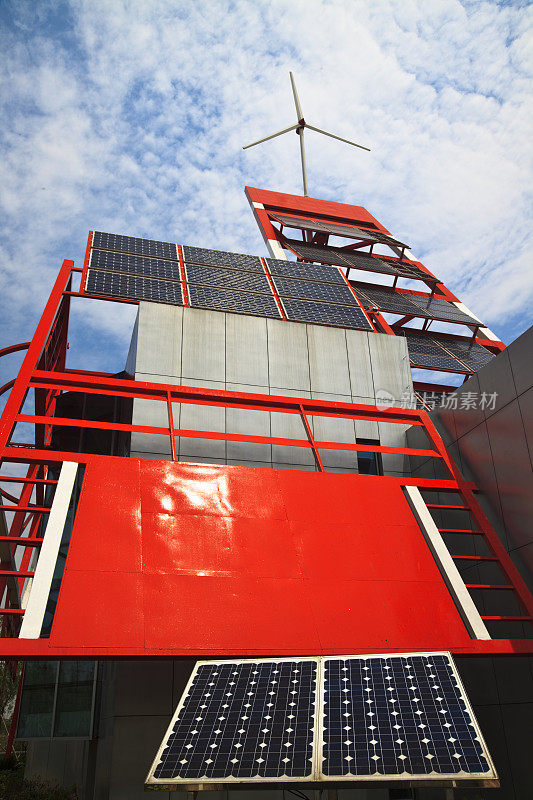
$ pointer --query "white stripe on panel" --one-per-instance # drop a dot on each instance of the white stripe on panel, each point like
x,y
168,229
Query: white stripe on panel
x,y
450,573
33,617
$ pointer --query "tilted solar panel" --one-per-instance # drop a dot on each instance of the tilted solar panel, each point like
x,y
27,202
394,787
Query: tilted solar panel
x,y
249,720
349,718
336,229
133,287
219,258
442,309
396,302
470,352
218,299
228,278
311,272
427,353
399,716
134,265
325,313
134,245
313,290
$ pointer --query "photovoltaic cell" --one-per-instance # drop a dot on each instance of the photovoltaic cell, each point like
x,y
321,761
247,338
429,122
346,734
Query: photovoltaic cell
x,y
313,290
250,721
311,272
219,258
399,716
134,287
396,302
232,300
426,352
325,313
135,265
335,229
228,278
131,244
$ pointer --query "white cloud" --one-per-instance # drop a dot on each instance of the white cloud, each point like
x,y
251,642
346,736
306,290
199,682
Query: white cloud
x,y
130,117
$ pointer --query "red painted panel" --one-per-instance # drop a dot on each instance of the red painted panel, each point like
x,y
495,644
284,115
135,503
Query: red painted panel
x,y
185,559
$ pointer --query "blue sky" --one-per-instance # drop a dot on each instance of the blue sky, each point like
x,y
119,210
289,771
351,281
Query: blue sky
x,y
129,117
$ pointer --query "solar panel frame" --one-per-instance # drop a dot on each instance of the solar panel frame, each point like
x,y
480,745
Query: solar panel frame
x,y
321,313
271,725
134,245
133,287
313,290
221,258
111,261
432,695
233,300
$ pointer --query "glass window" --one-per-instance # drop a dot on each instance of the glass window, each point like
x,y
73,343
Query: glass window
x,y
369,463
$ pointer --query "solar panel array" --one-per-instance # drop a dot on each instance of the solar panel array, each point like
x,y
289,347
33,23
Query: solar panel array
x,y
143,269
384,717
334,229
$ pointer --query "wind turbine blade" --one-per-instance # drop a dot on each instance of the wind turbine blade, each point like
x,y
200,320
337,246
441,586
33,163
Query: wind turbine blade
x,y
296,101
272,136
333,136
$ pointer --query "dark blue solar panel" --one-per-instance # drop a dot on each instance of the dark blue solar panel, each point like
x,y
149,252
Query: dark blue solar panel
x,y
387,300
311,272
470,353
134,287
442,309
135,265
325,313
427,353
396,715
131,244
219,258
228,278
313,290
232,300
248,720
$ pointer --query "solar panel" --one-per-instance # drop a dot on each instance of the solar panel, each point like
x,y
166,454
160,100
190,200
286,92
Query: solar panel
x,y
426,352
442,309
131,244
378,717
304,223
325,313
246,720
228,278
135,265
470,352
232,300
294,269
315,252
367,262
219,258
313,290
134,287
403,716
396,302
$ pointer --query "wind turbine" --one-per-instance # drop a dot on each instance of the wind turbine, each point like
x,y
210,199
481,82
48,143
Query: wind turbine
x,y
299,127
